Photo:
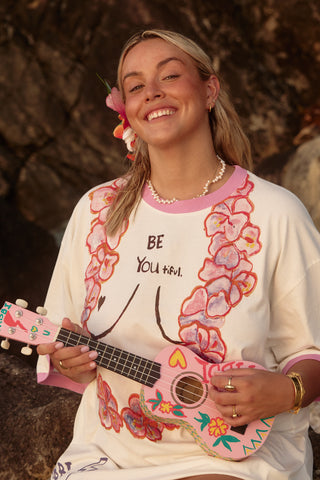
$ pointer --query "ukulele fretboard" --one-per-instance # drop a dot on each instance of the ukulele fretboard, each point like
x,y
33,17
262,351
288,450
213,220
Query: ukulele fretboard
x,y
119,361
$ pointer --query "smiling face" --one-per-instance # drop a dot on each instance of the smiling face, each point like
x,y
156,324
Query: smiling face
x,y
166,100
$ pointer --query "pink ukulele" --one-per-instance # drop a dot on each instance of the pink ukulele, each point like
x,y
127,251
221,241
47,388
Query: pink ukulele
x,y
176,384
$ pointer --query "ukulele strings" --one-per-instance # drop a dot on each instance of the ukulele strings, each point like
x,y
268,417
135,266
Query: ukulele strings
x,y
75,339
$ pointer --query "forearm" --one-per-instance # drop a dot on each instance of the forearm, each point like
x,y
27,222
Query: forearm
x,y
310,374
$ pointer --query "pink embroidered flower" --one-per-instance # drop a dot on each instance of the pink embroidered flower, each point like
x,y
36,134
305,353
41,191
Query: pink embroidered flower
x,y
222,220
211,271
227,256
249,241
108,407
139,425
194,309
218,305
102,197
242,284
205,342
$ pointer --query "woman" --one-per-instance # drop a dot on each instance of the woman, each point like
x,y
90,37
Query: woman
x,y
189,249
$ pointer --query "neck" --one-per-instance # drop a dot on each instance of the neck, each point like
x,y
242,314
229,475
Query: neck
x,y
182,173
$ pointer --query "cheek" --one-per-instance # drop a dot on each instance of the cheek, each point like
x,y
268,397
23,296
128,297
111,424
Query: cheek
x,y
131,111
132,116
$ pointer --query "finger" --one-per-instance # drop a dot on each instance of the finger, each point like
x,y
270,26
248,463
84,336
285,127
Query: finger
x,y
240,372
49,348
225,383
75,357
225,400
69,325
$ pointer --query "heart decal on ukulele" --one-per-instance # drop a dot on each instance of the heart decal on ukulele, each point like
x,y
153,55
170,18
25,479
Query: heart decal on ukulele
x,y
177,359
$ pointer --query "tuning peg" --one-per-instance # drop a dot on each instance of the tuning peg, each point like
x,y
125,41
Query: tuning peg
x,y
26,350
5,344
41,310
21,303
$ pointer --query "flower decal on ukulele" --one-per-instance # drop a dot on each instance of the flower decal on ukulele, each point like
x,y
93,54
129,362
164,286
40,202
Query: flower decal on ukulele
x,y
217,428
139,425
165,406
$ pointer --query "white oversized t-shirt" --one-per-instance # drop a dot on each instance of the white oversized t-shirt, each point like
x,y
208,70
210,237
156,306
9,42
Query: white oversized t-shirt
x,y
233,276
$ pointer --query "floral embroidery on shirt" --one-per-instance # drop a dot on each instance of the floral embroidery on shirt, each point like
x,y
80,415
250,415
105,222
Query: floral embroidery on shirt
x,y
108,407
141,426
227,274
102,249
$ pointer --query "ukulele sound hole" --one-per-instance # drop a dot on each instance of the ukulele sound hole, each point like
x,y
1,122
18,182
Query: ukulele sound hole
x,y
189,390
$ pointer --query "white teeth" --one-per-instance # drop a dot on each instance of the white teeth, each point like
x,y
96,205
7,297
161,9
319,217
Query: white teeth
x,y
160,113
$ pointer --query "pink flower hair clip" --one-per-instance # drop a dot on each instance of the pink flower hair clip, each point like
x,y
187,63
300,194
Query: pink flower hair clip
x,y
123,130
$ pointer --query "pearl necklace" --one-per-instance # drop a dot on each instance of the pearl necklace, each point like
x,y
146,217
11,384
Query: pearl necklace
x,y
218,177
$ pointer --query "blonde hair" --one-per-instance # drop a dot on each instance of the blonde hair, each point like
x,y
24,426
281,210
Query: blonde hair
x,y
229,140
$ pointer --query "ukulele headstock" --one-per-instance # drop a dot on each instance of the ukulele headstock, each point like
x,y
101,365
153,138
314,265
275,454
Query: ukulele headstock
x,y
22,325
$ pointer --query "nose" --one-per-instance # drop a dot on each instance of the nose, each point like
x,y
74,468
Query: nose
x,y
153,91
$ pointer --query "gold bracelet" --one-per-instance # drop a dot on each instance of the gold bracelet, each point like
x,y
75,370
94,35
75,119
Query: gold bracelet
x,y
299,391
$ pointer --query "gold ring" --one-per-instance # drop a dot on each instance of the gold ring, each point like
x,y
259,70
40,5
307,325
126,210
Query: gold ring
x,y
234,412
229,387
61,365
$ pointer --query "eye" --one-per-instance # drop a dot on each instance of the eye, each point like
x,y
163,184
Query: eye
x,y
171,77
135,88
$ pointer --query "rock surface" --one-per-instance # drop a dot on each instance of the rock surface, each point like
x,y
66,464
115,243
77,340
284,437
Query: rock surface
x,y
36,422
56,142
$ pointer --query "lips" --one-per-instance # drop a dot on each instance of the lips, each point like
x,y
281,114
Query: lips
x,y
162,112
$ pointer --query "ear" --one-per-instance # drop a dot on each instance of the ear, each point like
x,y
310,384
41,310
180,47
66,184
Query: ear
x,y
213,88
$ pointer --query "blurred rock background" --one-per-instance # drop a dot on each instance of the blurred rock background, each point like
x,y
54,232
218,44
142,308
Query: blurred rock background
x,y
56,142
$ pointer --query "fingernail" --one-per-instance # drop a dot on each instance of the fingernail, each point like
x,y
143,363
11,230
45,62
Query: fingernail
x,y
93,355
85,349
92,365
59,345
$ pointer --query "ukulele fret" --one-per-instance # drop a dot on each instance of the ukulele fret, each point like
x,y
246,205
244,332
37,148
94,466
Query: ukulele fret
x,y
143,365
151,373
135,367
113,359
123,361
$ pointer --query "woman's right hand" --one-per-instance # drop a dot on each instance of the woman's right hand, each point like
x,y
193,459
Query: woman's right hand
x,y
76,363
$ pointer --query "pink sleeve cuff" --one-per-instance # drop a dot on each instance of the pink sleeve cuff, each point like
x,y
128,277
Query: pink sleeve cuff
x,y
55,379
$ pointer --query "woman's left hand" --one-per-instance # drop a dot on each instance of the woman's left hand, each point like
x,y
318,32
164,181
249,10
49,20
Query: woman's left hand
x,y
257,394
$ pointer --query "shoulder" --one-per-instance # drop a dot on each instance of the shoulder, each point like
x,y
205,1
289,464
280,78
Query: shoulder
x,y
93,204
276,200
284,219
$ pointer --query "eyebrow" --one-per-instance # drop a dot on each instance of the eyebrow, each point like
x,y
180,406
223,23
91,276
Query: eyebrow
x,y
159,65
